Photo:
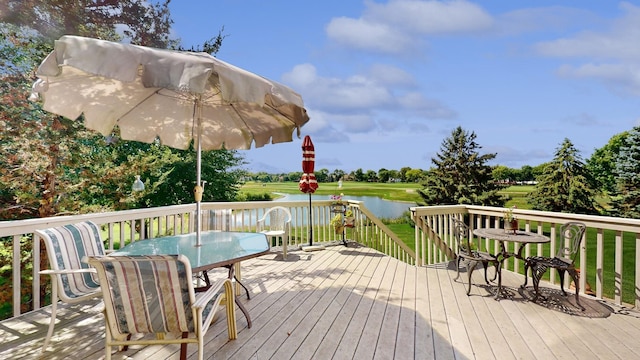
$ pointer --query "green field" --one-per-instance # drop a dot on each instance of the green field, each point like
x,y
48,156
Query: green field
x,y
388,191
395,191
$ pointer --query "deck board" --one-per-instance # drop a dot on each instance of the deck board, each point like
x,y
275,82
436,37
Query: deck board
x,y
356,303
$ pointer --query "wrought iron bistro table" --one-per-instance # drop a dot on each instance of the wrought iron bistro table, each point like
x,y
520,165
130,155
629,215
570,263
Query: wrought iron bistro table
x,y
520,238
217,249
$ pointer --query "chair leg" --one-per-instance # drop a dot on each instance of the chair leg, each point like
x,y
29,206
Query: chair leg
x,y
499,274
54,309
561,273
458,259
183,348
485,265
107,339
536,275
526,279
284,247
576,280
470,267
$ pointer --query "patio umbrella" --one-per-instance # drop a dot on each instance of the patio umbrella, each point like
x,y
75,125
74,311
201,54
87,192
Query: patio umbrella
x,y
308,183
168,96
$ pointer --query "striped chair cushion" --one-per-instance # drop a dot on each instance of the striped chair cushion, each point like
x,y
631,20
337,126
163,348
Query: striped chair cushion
x,y
67,245
149,294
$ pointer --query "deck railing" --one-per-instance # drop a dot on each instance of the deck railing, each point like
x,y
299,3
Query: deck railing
x,y
609,259
122,227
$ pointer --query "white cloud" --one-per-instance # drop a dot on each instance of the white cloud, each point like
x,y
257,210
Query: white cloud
x,y
364,93
425,107
619,42
356,92
431,17
616,50
392,75
366,35
621,78
551,18
400,25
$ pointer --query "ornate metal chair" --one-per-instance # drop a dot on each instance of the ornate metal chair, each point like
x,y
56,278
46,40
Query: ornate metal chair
x,y
276,223
564,261
72,281
154,296
466,252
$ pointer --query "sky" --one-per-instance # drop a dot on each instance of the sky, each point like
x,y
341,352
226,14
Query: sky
x,y
386,82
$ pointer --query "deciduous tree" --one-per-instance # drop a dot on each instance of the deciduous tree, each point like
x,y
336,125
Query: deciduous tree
x,y
626,195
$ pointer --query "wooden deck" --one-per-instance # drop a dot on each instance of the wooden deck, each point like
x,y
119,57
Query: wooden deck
x,y
355,303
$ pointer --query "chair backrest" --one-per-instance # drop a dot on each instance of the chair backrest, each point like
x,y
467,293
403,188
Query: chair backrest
x,y
66,247
146,294
461,233
220,219
276,218
571,234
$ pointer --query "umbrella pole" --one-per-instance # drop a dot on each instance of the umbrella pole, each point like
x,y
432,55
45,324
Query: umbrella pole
x,y
199,189
310,223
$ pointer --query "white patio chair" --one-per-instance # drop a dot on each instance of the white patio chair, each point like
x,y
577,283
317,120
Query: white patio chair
x,y
72,281
154,296
276,223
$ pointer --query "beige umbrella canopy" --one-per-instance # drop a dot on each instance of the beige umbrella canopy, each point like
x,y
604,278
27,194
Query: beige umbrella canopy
x,y
172,96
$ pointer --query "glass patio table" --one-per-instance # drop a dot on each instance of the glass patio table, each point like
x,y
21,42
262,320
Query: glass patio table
x,y
218,249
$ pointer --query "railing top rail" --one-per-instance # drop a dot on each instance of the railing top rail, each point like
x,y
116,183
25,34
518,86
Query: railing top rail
x,y
595,221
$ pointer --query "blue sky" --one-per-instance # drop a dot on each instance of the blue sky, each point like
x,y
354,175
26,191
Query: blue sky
x,y
385,82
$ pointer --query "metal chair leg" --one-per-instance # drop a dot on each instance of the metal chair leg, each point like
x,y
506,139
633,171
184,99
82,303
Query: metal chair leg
x,y
54,308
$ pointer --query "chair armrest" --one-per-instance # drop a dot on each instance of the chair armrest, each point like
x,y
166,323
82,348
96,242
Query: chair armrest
x,y
204,298
63,272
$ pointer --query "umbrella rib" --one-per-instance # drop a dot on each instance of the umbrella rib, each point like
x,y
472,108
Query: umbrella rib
x,y
244,122
157,91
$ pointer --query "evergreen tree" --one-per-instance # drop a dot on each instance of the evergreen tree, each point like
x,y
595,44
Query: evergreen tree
x,y
626,199
461,174
565,184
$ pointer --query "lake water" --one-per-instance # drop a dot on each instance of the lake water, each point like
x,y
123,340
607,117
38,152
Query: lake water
x,y
379,207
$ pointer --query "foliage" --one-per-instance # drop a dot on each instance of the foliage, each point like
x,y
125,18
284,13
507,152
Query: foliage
x,y
254,196
51,165
508,216
220,169
565,184
461,175
336,222
626,199
142,22
602,162
35,162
